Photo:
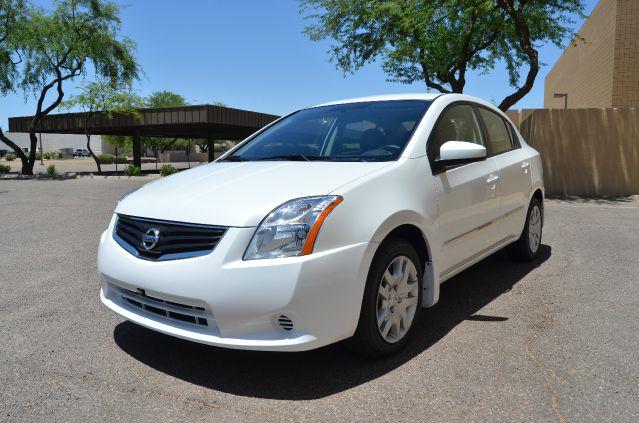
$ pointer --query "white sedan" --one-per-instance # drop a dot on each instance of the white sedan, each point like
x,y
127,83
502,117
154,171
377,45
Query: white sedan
x,y
338,221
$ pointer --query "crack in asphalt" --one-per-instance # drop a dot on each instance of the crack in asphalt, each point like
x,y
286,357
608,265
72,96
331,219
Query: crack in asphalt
x,y
551,375
541,324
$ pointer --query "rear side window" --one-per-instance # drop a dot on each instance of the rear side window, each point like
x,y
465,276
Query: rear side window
x,y
457,123
497,131
514,135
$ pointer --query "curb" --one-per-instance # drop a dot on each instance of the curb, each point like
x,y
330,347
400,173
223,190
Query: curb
x,y
67,176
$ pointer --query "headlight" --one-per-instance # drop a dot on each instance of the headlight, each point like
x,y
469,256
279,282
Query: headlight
x,y
291,229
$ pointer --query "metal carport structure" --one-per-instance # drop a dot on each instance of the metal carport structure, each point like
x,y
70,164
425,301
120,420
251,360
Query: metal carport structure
x,y
202,121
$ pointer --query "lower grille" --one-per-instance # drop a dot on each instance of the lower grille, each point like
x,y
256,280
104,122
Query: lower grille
x,y
171,310
153,239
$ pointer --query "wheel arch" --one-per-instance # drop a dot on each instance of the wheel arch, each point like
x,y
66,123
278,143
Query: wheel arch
x,y
411,231
414,236
538,193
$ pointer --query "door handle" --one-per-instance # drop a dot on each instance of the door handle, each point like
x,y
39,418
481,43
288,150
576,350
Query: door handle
x,y
492,180
525,166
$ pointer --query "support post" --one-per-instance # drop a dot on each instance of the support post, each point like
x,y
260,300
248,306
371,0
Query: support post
x,y
137,150
211,147
41,149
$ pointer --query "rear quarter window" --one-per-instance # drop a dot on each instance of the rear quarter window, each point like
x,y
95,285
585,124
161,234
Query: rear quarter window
x,y
499,135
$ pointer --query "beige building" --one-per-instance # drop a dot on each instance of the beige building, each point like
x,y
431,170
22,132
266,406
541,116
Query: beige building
x,y
602,70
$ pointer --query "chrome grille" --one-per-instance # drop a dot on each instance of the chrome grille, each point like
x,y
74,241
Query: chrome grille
x,y
176,240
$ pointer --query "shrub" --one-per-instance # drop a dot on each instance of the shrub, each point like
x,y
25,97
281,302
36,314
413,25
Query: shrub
x,y
106,158
38,155
132,170
10,157
167,170
121,159
52,155
4,169
51,170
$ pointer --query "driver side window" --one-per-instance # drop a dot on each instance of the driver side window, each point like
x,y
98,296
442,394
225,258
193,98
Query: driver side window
x,y
457,123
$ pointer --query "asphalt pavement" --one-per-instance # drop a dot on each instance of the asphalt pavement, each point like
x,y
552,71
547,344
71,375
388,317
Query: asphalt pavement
x,y
554,340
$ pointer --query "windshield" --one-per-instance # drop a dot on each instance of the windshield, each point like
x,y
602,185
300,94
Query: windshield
x,y
371,131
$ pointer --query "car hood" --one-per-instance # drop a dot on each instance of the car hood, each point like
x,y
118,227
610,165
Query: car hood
x,y
238,194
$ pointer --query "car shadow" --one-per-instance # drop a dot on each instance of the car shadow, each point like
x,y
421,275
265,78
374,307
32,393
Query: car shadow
x,y
332,369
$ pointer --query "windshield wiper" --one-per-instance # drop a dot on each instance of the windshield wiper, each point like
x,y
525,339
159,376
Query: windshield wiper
x,y
235,159
292,157
298,158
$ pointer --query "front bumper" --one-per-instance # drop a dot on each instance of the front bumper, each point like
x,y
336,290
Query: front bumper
x,y
233,303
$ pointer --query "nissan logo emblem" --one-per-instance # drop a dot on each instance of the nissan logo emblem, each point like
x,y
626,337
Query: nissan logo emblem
x,y
150,239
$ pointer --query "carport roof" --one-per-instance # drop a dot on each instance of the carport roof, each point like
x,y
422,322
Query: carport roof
x,y
202,121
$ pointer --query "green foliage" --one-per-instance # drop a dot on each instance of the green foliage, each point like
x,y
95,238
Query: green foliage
x,y
167,170
104,96
124,144
12,23
4,169
72,36
132,170
55,45
165,98
106,158
52,155
437,41
51,170
111,159
10,157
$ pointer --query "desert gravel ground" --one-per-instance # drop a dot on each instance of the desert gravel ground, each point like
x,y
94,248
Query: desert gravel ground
x,y
556,340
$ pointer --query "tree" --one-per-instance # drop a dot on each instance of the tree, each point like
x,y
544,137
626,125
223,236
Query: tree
x,y
163,98
12,21
102,98
437,41
59,45
531,23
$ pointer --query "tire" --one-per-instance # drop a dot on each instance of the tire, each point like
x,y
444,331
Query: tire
x,y
368,338
527,247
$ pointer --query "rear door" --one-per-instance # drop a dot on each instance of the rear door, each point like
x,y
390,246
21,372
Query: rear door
x,y
514,172
468,195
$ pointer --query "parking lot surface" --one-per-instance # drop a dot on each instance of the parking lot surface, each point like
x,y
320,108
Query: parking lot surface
x,y
555,340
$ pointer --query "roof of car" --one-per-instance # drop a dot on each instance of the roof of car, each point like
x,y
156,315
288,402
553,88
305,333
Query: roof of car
x,y
387,97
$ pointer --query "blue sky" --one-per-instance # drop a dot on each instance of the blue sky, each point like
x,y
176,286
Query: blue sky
x,y
252,54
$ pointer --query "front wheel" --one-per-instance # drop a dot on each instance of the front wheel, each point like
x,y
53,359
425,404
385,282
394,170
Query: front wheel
x,y
392,300
529,243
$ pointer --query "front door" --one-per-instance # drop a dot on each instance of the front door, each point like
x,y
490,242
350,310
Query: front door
x,y
467,196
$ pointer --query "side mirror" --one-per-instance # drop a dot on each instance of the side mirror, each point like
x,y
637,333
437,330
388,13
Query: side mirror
x,y
455,153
